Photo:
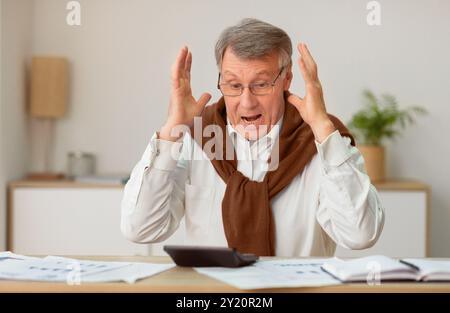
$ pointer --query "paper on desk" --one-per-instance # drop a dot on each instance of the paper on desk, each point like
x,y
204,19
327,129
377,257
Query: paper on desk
x,y
73,271
273,274
128,272
4,255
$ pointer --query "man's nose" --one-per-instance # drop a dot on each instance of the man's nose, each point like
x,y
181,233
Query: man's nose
x,y
247,99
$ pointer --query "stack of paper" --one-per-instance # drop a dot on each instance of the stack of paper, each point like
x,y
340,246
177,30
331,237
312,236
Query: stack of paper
x,y
74,271
273,274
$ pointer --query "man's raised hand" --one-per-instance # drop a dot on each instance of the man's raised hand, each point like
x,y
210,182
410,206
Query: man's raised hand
x,y
182,107
312,106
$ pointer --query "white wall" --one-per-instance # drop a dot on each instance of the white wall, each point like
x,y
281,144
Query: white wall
x,y
16,23
121,55
2,180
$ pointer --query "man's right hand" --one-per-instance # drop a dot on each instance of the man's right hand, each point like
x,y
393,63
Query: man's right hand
x,y
183,107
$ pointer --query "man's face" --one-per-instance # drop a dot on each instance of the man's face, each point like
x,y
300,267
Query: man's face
x,y
254,115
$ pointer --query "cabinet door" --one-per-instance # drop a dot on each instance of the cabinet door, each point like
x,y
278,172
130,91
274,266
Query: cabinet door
x,y
405,228
69,221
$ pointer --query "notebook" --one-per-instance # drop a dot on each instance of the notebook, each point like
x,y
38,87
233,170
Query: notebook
x,y
386,268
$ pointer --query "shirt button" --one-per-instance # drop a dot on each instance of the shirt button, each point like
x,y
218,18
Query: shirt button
x,y
157,152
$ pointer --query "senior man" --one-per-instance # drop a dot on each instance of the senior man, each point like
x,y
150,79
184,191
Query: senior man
x,y
294,183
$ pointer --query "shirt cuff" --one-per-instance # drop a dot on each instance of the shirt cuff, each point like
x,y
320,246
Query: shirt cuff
x,y
165,154
333,151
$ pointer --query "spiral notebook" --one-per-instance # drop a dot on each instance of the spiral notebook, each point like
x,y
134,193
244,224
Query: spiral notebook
x,y
386,268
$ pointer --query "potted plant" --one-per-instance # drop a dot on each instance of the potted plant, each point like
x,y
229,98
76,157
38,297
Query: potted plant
x,y
379,119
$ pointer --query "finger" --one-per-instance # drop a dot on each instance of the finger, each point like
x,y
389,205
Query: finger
x,y
295,100
203,100
302,52
305,72
188,64
304,69
308,54
309,61
178,67
182,64
305,55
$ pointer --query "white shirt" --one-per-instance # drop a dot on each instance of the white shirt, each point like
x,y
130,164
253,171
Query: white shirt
x,y
331,202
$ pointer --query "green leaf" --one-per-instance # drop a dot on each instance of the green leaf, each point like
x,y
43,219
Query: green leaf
x,y
381,118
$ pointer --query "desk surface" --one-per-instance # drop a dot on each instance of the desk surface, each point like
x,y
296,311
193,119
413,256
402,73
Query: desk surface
x,y
184,280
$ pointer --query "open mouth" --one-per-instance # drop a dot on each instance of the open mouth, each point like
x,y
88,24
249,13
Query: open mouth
x,y
251,118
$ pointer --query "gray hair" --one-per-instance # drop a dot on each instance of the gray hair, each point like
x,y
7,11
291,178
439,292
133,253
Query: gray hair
x,y
252,39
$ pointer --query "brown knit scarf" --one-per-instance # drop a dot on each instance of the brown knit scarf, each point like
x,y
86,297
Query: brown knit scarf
x,y
246,205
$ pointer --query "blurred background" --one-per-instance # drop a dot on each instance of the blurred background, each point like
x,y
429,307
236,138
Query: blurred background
x,y
114,95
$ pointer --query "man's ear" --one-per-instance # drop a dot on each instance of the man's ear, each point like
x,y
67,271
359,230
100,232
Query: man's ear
x,y
288,78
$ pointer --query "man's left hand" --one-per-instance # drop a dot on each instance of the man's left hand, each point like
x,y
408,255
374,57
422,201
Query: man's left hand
x,y
312,106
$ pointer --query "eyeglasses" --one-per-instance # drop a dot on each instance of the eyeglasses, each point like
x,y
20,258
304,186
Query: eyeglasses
x,y
258,89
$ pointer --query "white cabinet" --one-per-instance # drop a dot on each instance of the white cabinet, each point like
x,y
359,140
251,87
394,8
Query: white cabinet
x,y
67,218
406,231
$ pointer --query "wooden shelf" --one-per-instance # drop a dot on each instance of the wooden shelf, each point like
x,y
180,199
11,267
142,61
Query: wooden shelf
x,y
390,184
60,184
401,184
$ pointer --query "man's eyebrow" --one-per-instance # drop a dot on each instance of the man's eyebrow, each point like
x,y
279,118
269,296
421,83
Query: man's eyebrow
x,y
263,72
229,73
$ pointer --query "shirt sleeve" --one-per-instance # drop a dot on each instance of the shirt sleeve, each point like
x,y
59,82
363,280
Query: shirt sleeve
x,y
350,209
153,200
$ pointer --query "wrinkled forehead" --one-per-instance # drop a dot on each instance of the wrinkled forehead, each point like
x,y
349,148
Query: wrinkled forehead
x,y
235,66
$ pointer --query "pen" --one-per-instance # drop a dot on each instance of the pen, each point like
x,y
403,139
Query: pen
x,y
410,265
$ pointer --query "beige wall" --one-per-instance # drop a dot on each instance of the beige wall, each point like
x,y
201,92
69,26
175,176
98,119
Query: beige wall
x,y
121,55
16,23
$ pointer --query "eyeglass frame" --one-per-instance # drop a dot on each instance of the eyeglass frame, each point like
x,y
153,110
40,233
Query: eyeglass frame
x,y
248,86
